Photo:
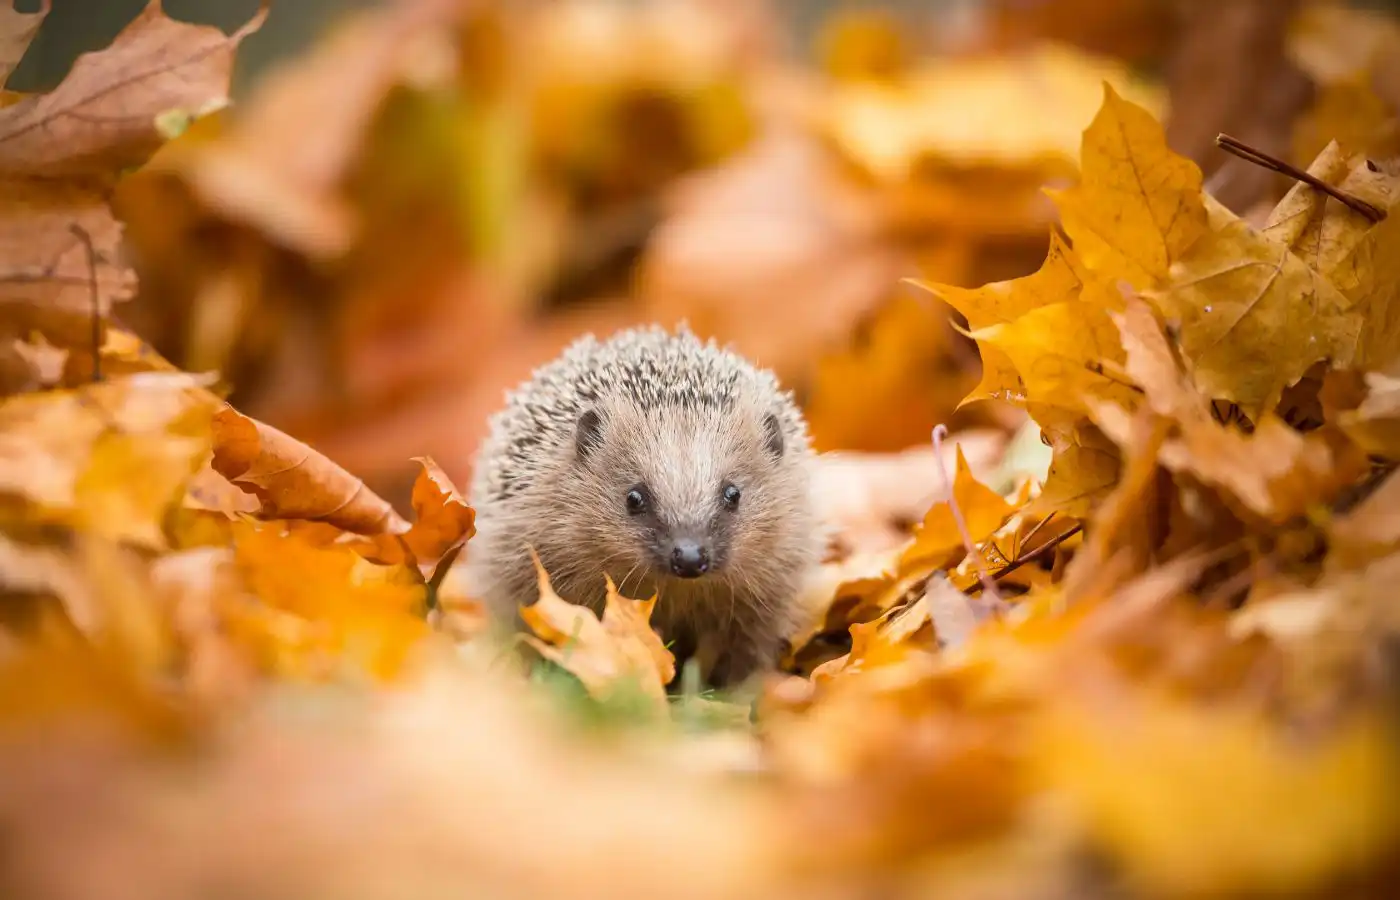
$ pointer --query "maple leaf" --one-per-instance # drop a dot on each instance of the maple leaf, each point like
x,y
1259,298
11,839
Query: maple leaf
x,y
1323,232
1084,467
293,481
620,650
1138,207
1275,471
1064,354
1253,316
983,509
102,117
1060,279
964,112
1376,298
60,152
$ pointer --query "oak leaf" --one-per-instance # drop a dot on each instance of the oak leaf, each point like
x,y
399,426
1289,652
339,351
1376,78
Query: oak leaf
x,y
1138,207
618,651
293,481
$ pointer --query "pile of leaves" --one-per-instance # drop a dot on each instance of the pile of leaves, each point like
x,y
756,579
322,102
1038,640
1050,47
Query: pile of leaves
x,y
1164,663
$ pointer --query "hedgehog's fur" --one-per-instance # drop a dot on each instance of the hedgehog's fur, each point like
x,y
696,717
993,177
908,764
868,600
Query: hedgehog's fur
x,y
683,418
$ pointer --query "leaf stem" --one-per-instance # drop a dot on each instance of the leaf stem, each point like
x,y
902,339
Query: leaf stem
x,y
989,587
81,234
1254,155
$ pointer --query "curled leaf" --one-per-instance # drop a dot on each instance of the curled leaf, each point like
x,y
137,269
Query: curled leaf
x,y
294,481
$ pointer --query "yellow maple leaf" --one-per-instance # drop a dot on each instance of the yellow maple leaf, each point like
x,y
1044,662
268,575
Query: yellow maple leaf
x,y
1064,353
1084,467
1138,206
1253,317
1060,279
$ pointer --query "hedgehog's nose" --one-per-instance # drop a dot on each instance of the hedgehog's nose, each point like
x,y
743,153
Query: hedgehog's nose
x,y
689,559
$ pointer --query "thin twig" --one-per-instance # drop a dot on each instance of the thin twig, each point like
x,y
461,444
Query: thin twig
x,y
1038,552
86,239
989,588
1254,155
1036,528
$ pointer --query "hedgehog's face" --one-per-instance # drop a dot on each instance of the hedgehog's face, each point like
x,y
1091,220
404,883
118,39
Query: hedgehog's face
x,y
673,493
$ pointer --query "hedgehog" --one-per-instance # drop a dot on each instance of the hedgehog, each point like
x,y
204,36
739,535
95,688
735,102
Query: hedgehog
x,y
676,468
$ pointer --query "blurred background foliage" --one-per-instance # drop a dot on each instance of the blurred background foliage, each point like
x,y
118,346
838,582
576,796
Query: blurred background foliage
x,y
768,172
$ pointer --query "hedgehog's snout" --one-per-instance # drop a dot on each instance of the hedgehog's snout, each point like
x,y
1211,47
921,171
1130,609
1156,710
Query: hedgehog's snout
x,y
689,558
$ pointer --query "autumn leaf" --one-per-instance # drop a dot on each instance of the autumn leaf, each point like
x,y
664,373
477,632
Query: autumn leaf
x,y
102,117
59,259
1377,298
1084,466
1207,767
109,458
17,29
1138,207
442,520
1253,316
983,509
972,113
1275,471
1060,279
324,610
618,651
1064,353
293,481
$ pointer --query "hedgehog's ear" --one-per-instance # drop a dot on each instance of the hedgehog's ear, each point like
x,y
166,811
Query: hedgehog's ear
x,y
773,435
588,436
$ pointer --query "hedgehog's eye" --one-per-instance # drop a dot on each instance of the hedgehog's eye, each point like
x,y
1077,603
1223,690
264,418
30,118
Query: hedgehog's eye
x,y
636,500
730,495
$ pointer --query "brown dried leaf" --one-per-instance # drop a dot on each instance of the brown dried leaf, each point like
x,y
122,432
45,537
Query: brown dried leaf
x,y
48,281
103,116
293,481
442,520
17,29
